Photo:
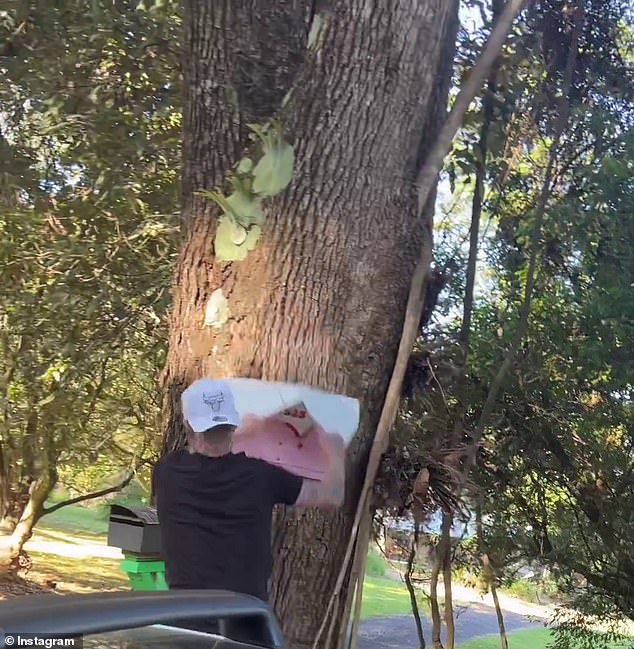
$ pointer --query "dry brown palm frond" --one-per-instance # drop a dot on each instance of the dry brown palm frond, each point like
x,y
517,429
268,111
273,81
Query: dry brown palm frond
x,y
421,483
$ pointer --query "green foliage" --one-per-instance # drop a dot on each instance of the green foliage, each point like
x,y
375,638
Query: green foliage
x,y
89,161
233,242
601,630
554,467
239,228
537,592
376,565
557,456
274,170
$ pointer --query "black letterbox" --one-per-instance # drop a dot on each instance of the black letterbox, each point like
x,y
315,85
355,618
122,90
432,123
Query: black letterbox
x,y
134,529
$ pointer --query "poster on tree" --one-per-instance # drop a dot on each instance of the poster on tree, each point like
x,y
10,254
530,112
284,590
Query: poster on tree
x,y
281,423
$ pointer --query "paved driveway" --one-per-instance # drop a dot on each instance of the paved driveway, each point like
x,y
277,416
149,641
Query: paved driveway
x,y
472,621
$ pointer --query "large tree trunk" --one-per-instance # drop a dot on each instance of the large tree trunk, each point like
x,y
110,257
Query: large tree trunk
x,y
321,298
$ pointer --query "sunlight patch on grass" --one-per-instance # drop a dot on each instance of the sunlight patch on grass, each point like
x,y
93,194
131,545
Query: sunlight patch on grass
x,y
71,528
77,575
384,597
529,639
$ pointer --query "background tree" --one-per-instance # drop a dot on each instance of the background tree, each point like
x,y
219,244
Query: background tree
x,y
577,280
89,172
519,137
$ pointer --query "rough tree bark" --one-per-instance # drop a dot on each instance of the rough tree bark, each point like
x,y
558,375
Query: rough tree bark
x,y
321,298
13,539
24,487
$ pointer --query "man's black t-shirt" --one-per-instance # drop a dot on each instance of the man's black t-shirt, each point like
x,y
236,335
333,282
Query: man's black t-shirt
x,y
215,515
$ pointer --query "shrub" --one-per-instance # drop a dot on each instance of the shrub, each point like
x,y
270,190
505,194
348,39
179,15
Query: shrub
x,y
377,565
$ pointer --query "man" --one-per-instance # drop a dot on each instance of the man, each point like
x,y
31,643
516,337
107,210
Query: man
x,y
215,507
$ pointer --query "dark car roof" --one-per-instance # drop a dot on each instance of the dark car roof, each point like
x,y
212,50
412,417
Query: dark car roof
x,y
103,612
159,637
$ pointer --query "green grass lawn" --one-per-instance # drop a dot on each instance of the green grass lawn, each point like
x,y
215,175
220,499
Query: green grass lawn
x,y
75,574
384,597
527,639
78,575
75,519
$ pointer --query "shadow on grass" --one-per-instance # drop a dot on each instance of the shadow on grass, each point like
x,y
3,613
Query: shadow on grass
x,y
79,520
77,575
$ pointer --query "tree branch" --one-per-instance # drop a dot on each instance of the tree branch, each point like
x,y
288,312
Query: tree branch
x,y
95,494
10,46
540,212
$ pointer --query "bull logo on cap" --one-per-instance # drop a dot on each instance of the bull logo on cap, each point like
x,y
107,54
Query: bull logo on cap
x,y
214,401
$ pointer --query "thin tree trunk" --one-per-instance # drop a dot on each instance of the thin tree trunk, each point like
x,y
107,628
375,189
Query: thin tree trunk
x,y
11,545
16,500
482,149
322,296
446,557
504,642
490,576
411,566
534,245
436,619
29,488
10,355
481,152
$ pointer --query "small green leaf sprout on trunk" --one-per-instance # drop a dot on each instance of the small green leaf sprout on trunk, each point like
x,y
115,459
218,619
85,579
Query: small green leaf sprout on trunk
x,y
239,227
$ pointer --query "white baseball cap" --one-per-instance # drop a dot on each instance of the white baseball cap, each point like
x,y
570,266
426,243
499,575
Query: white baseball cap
x,y
207,404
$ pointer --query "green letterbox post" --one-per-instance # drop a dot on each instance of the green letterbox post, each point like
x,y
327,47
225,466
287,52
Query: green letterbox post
x,y
144,573
136,531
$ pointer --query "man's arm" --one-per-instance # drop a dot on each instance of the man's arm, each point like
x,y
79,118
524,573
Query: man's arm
x,y
330,491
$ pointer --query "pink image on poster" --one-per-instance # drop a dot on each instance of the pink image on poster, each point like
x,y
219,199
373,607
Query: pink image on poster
x,y
289,439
